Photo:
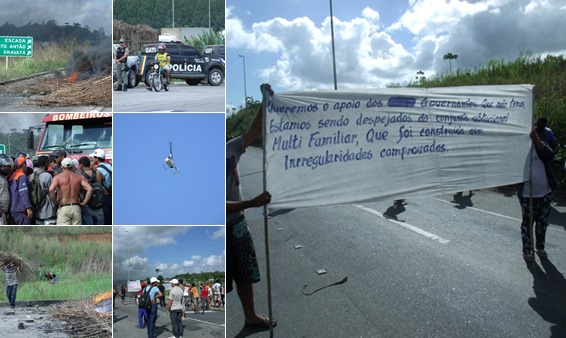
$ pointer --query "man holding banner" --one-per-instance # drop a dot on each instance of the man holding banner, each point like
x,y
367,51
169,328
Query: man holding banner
x,y
242,264
540,188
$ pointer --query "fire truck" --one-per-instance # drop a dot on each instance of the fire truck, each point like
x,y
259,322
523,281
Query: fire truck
x,y
79,134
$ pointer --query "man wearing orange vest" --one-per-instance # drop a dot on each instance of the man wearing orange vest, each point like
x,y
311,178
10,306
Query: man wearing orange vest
x,y
20,204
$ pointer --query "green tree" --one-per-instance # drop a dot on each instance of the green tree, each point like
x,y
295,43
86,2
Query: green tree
x,y
450,57
199,41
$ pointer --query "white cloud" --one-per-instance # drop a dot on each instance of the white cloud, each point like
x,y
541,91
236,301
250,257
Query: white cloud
x,y
188,264
370,14
219,234
434,16
368,55
135,263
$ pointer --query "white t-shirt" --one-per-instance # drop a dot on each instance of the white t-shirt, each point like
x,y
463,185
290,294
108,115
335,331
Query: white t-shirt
x,y
216,287
539,180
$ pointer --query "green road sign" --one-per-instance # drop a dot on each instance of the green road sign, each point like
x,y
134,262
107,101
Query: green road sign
x,y
16,46
2,149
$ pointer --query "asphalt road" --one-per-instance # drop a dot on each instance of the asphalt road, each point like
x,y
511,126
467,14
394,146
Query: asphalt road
x,y
207,325
14,103
180,98
446,266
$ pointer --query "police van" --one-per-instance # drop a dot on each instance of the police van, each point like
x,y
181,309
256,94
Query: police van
x,y
187,63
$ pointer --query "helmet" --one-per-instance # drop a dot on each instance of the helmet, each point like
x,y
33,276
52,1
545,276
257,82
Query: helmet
x,y
6,160
161,46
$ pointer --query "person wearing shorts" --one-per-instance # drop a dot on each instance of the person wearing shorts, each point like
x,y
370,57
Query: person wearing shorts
x,y
242,267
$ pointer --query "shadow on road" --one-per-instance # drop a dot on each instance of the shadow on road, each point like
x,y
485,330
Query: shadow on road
x,y
394,210
248,331
280,212
556,217
159,330
463,201
549,286
117,319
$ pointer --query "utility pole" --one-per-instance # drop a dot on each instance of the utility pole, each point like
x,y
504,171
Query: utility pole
x,y
245,90
333,53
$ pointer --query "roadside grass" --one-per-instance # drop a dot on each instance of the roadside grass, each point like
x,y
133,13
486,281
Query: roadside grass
x,y
51,57
84,267
70,230
70,286
548,74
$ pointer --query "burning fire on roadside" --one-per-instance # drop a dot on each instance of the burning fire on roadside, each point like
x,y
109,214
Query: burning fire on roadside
x,y
103,303
73,77
83,65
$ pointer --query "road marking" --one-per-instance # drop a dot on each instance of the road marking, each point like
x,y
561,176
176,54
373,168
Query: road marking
x,y
404,225
204,321
484,211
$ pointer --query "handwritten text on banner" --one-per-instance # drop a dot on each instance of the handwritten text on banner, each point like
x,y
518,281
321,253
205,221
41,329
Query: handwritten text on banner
x,y
338,147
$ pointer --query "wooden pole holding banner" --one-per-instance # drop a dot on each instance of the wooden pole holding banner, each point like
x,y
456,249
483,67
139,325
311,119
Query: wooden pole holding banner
x,y
531,207
266,97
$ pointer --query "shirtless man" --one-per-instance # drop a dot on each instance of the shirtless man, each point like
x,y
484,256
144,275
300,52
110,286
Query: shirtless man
x,y
68,185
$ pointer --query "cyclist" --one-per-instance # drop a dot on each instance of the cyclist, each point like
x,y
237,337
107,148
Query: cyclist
x,y
164,61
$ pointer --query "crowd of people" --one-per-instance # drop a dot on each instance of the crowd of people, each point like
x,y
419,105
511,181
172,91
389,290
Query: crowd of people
x,y
66,187
176,302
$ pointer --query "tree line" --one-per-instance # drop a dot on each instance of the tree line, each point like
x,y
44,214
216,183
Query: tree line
x,y
50,31
158,14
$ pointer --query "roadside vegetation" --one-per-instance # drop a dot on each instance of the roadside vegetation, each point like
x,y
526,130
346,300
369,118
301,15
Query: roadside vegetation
x,y
79,256
157,14
45,58
547,74
199,41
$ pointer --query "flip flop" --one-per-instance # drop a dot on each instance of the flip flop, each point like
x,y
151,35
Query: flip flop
x,y
264,324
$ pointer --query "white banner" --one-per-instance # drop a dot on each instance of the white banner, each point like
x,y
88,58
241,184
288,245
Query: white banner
x,y
339,147
134,285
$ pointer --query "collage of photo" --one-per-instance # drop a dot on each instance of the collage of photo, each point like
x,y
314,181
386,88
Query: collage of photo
x,y
300,169
112,170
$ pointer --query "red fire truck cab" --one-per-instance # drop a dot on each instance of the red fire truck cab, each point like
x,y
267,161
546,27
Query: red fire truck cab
x,y
79,134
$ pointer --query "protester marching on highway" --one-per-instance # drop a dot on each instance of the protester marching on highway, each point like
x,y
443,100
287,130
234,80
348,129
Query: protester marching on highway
x,y
242,267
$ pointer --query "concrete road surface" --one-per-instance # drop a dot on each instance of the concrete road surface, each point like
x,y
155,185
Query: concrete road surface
x,y
207,325
180,98
446,266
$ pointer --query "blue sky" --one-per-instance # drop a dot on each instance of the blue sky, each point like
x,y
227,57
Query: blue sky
x,y
172,249
378,42
146,194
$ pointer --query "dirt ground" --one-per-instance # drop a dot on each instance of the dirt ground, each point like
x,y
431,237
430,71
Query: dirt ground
x,y
34,86
93,237
55,89
29,321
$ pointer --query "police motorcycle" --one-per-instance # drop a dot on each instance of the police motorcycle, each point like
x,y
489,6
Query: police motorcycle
x,y
157,78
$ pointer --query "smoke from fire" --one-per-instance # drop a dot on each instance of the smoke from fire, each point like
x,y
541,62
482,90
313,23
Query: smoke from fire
x,y
97,60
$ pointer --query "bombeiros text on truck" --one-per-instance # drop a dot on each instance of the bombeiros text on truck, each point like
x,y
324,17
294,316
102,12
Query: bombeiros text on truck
x,y
79,134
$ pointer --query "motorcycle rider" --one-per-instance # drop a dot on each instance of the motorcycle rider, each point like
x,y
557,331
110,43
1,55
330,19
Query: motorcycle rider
x,y
121,58
164,61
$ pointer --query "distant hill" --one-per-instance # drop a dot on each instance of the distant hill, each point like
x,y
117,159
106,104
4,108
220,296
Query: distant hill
x,y
50,31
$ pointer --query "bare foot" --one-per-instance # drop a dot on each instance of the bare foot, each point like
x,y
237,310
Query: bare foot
x,y
260,322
